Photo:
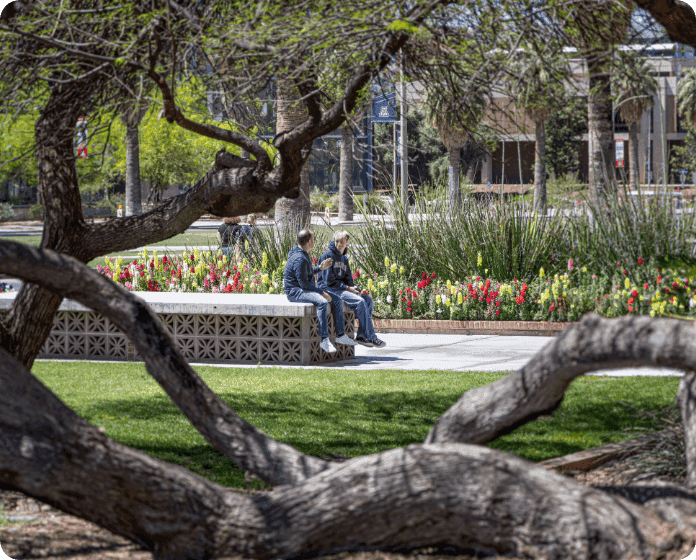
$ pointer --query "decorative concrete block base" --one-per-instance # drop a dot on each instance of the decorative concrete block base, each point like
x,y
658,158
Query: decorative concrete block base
x,y
213,335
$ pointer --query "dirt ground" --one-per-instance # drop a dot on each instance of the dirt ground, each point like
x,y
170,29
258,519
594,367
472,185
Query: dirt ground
x,y
29,529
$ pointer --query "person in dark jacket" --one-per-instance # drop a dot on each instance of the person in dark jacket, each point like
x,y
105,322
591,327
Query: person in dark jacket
x,y
338,281
298,283
244,237
227,234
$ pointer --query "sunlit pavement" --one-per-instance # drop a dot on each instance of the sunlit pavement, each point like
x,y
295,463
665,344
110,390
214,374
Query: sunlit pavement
x,y
428,352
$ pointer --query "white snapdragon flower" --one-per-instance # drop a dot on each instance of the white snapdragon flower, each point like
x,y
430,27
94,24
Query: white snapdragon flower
x,y
389,299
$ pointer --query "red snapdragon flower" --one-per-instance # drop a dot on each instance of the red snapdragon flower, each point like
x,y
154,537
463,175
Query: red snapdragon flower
x,y
640,261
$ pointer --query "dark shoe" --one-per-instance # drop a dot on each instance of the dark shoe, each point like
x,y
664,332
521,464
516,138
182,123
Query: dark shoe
x,y
379,343
363,341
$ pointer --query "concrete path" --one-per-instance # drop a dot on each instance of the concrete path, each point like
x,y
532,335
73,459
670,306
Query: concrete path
x,y
432,352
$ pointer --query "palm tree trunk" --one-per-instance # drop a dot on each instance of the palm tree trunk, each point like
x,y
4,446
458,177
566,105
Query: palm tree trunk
x,y
345,185
540,169
633,163
599,107
455,195
133,191
292,213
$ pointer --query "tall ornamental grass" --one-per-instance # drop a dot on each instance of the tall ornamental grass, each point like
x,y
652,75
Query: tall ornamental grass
x,y
504,241
626,230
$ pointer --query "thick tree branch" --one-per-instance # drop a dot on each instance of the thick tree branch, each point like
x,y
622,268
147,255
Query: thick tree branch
x,y
250,448
678,19
485,413
231,188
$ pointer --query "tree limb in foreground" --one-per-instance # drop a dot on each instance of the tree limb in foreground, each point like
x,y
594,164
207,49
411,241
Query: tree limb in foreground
x,y
485,413
272,461
465,496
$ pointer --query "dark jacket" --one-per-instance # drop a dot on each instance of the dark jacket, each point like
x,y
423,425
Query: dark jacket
x,y
299,272
338,276
228,234
245,233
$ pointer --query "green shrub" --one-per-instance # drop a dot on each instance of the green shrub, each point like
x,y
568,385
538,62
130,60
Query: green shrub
x,y
6,212
36,212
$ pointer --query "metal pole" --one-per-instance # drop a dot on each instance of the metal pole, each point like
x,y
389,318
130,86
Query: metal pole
x,y
404,151
394,167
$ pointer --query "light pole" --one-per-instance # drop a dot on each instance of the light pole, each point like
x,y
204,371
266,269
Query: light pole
x,y
613,128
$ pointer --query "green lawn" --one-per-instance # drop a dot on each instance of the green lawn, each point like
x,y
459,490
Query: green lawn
x,y
336,412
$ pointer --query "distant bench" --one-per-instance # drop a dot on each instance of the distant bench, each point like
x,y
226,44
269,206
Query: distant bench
x,y
212,328
96,212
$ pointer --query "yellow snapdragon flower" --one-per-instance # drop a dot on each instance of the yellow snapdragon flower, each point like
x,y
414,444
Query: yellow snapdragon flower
x,y
386,262
479,260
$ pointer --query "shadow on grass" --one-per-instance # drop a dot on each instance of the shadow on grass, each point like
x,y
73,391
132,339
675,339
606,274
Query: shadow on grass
x,y
357,424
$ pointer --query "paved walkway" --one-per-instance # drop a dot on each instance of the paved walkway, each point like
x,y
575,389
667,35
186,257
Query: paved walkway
x,y
432,352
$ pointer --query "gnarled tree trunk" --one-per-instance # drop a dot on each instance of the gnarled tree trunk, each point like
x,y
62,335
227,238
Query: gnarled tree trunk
x,y
292,213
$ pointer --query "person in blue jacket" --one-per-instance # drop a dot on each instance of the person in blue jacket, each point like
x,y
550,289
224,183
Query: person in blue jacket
x,y
338,281
298,283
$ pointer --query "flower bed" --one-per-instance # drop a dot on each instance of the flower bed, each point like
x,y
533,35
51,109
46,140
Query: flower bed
x,y
560,298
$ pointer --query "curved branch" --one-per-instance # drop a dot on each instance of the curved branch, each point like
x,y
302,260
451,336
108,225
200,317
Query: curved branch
x,y
227,189
272,461
485,413
173,114
678,19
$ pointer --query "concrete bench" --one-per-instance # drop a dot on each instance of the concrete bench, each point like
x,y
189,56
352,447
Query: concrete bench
x,y
100,212
208,328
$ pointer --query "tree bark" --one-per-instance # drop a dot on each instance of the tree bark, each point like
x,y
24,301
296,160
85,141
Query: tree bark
x,y
133,196
292,211
599,106
686,397
132,118
345,185
455,194
540,169
402,498
485,413
633,172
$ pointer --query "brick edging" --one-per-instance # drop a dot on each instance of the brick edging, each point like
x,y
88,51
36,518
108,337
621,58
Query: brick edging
x,y
504,328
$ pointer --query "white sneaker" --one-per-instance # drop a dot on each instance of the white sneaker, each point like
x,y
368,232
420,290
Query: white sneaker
x,y
345,339
326,346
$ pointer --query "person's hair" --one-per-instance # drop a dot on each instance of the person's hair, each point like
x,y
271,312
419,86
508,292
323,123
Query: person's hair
x,y
303,237
341,235
234,220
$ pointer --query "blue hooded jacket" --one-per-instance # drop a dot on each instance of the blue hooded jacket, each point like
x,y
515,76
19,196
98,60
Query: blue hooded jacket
x,y
338,276
299,272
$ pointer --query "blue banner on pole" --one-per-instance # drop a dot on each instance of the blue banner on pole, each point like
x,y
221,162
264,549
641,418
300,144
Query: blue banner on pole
x,y
384,108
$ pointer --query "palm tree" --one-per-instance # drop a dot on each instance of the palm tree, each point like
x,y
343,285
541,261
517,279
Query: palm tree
x,y
538,89
633,87
597,31
455,129
292,213
686,98
131,118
